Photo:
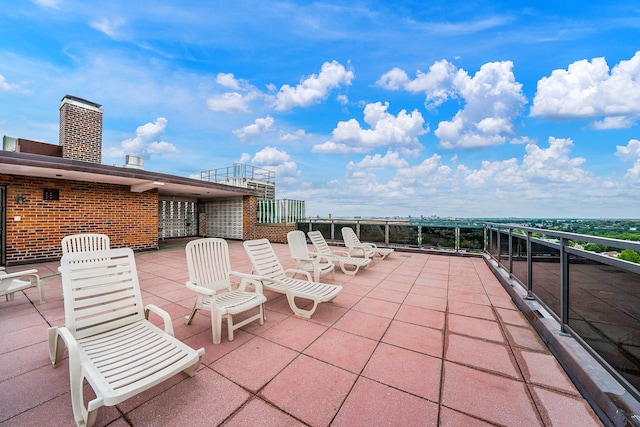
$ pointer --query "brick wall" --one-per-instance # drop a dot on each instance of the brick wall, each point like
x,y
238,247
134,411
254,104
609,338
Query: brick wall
x,y
129,219
81,130
251,229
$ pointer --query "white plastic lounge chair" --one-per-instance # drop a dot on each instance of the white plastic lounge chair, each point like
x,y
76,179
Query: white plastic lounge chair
x,y
109,341
341,257
365,250
85,242
210,277
274,278
317,265
19,281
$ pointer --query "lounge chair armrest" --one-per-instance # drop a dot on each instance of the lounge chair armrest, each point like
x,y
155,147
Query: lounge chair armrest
x,y
168,325
295,271
31,274
200,289
318,257
248,279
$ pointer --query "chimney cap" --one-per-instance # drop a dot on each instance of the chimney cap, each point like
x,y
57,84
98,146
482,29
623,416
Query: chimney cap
x,y
81,100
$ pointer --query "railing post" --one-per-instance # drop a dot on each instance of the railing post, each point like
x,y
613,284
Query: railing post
x,y
499,250
529,268
510,252
456,239
333,231
386,233
564,284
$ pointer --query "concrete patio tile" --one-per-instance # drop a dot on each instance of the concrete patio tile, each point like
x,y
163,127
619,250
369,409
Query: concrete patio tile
x,y
31,389
421,316
23,360
502,301
562,410
208,398
363,324
433,280
429,291
426,302
501,401
525,337
15,339
213,351
346,300
257,412
356,288
373,404
474,327
342,349
58,412
451,418
471,297
543,369
471,310
390,295
415,373
255,363
512,317
481,354
377,307
294,333
310,390
414,337
397,284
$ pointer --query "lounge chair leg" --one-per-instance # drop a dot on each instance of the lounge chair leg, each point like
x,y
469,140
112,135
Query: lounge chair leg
x,y
300,312
188,319
56,346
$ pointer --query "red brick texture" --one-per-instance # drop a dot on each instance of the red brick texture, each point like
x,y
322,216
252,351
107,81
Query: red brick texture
x,y
36,227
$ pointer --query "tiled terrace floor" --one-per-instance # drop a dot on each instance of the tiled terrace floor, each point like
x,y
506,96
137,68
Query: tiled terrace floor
x,y
414,340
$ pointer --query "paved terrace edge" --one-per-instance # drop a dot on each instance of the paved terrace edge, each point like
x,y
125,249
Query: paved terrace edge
x,y
608,398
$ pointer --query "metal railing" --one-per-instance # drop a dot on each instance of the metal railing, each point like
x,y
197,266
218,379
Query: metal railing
x,y
272,211
441,235
595,297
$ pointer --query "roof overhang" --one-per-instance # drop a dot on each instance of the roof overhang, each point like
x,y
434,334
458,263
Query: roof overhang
x,y
41,166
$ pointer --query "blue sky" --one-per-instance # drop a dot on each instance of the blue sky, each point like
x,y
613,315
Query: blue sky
x,y
371,108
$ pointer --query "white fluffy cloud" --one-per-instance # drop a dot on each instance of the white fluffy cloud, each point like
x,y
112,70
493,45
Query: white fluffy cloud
x,y
254,130
588,89
147,142
493,100
630,153
386,130
236,101
377,161
279,161
437,84
314,88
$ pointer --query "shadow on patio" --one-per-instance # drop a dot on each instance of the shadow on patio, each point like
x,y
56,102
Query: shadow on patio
x,y
416,339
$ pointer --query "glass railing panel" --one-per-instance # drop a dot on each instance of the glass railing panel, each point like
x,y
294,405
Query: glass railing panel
x,y
604,309
372,233
471,239
405,235
546,275
520,269
504,248
438,237
493,242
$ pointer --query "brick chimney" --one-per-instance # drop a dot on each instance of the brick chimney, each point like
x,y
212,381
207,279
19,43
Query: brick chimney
x,y
81,129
